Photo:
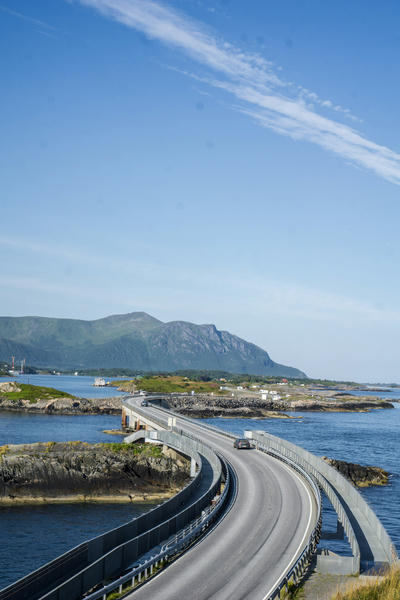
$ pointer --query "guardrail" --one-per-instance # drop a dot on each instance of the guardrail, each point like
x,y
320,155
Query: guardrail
x,y
277,445
161,422
123,555
65,567
287,450
172,529
339,491
367,537
299,568
169,411
180,541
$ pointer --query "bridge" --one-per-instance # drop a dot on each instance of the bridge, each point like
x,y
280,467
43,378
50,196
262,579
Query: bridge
x,y
246,524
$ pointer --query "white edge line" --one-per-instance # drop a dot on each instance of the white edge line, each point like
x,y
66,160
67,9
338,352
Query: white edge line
x,y
304,536
293,472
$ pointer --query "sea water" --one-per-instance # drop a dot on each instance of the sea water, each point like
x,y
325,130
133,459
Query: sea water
x,y
370,438
37,534
77,385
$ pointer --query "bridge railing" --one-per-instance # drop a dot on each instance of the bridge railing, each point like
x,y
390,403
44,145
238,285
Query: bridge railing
x,y
339,491
297,570
177,544
337,488
168,412
120,557
300,566
99,555
137,409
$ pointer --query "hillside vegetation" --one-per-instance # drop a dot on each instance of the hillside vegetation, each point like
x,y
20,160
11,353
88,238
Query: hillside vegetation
x,y
170,384
32,393
133,341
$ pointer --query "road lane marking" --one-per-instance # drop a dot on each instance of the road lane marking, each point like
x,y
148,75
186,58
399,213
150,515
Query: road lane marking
x,y
305,534
218,436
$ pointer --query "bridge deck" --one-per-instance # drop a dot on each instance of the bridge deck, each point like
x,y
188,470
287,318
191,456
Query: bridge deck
x,y
257,540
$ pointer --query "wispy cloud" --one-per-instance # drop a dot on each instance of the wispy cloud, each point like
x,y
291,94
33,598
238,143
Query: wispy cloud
x,y
268,297
284,107
77,293
312,304
74,255
24,17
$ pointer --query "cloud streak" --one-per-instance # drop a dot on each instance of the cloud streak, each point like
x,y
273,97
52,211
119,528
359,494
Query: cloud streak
x,y
267,298
251,79
23,17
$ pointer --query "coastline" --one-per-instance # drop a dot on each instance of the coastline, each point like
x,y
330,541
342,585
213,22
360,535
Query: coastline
x,y
137,498
242,403
64,406
79,472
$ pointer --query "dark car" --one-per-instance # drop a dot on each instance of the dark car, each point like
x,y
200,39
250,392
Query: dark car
x,y
241,444
144,403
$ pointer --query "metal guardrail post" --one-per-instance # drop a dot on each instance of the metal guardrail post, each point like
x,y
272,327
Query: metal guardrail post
x,y
183,540
298,569
193,529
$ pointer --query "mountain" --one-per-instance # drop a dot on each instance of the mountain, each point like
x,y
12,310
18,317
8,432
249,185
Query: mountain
x,y
136,341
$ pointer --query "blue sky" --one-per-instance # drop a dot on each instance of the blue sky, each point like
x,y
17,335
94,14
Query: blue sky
x,y
211,161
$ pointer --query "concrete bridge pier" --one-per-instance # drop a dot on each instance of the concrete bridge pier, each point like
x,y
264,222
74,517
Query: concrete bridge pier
x,y
134,420
334,535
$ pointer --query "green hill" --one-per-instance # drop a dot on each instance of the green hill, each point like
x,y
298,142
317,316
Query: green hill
x,y
135,340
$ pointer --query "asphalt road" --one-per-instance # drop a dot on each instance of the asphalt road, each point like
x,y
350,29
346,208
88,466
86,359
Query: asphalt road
x,y
259,539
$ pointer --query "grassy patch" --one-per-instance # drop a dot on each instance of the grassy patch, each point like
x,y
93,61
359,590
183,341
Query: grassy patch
x,y
292,592
177,384
33,393
386,589
145,449
49,446
3,450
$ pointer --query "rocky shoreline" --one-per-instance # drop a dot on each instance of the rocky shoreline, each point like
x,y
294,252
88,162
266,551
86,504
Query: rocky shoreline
x,y
200,405
60,472
207,406
351,404
359,475
65,406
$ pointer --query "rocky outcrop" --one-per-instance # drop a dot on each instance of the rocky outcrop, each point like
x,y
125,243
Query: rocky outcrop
x,y
207,406
9,386
77,471
359,475
351,404
197,406
65,406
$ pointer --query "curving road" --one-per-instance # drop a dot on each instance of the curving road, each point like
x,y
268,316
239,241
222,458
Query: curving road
x,y
257,541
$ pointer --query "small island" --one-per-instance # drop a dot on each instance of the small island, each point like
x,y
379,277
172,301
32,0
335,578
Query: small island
x,y
61,472
206,396
22,397
199,396
359,475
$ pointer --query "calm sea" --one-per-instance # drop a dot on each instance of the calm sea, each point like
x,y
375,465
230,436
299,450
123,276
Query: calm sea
x,y
37,534
366,438
79,385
